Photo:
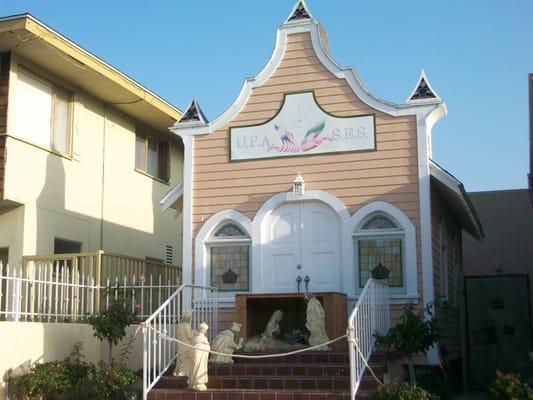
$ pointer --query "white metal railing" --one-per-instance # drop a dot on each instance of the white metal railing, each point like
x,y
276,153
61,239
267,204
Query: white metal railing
x,y
63,292
158,352
370,315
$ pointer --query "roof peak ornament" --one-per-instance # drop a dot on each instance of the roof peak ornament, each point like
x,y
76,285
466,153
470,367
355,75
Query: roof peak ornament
x,y
300,12
423,92
193,115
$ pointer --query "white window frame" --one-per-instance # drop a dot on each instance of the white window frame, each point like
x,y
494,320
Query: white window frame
x,y
70,118
141,132
410,259
202,252
386,233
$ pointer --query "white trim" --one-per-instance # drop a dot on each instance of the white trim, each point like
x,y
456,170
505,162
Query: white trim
x,y
188,144
409,235
201,259
424,124
172,196
259,228
348,73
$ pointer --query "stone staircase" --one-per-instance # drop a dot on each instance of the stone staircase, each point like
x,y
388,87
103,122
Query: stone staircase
x,y
305,376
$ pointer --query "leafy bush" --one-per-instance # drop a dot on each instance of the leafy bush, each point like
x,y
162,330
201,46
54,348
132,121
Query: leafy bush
x,y
52,379
404,391
413,334
109,380
510,387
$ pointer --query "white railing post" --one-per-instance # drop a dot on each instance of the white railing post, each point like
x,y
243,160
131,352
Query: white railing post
x,y
370,315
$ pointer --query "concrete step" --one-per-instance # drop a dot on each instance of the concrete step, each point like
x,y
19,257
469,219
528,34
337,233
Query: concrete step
x,y
238,394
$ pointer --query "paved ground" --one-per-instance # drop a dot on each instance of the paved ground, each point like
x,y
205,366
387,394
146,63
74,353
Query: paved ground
x,y
471,396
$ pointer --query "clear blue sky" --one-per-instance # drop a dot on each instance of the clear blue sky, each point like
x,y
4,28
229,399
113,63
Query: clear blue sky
x,y
477,55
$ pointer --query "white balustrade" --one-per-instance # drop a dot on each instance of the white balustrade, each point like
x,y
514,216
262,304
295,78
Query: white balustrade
x,y
159,350
370,315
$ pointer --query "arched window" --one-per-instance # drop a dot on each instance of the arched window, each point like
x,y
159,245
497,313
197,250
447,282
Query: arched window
x,y
229,257
379,239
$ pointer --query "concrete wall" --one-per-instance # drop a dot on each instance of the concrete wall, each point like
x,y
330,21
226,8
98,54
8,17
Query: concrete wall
x,y
95,196
25,343
507,219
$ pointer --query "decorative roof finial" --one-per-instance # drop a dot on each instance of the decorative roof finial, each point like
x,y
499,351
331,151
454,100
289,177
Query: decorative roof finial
x,y
299,12
193,114
423,91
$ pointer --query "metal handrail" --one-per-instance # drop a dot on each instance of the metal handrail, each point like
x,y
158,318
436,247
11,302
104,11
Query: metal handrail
x,y
159,353
370,315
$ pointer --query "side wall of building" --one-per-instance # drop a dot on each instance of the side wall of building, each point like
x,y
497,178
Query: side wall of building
x,y
446,250
4,89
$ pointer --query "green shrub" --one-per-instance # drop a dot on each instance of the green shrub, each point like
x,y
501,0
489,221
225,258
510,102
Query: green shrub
x,y
415,333
404,391
109,380
510,387
53,379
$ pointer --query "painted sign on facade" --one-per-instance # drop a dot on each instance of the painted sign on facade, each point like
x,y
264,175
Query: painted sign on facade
x,y
302,128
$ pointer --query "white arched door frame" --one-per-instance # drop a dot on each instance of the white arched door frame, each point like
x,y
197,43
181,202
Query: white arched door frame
x,y
260,228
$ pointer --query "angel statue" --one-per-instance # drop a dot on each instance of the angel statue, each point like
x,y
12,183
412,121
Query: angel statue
x,y
184,333
316,322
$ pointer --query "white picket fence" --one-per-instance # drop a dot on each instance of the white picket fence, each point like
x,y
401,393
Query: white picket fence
x,y
60,292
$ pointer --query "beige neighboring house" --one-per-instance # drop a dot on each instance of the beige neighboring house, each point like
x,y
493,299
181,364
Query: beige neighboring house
x,y
85,153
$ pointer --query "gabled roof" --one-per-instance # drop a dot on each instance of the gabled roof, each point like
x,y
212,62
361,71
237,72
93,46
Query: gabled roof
x,y
173,198
457,199
301,21
44,48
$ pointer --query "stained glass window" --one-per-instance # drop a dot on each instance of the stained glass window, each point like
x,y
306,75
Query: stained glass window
x,y
299,13
229,267
388,252
229,251
423,91
228,230
379,222
379,240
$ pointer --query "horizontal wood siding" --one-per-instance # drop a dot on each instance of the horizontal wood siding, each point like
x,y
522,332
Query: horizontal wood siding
x,y
389,174
447,313
4,89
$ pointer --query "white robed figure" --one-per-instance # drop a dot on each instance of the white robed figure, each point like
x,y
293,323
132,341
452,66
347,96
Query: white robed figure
x,y
316,322
200,356
184,333
225,343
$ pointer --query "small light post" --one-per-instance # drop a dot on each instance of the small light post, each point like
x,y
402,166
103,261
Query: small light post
x,y
298,185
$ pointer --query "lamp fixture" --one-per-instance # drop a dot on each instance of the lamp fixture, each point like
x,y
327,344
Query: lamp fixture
x,y
298,185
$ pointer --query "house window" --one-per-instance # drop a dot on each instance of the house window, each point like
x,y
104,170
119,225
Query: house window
x,y
380,240
63,246
4,255
152,156
43,113
229,253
